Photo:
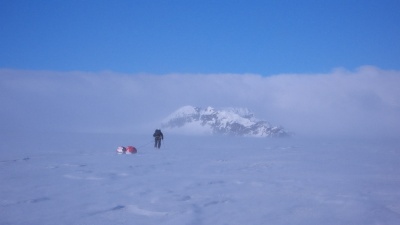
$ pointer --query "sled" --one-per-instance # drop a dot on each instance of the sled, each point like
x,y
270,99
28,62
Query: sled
x,y
121,150
131,150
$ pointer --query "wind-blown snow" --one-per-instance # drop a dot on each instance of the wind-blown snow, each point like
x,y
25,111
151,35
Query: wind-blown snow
x,y
184,110
78,179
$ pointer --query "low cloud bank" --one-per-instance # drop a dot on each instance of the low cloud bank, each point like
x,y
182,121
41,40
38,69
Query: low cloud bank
x,y
365,102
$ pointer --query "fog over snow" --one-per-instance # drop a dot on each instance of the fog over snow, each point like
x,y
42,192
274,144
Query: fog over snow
x,y
60,131
364,102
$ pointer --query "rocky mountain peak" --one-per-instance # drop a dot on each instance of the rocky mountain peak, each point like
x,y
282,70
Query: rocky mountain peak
x,y
227,121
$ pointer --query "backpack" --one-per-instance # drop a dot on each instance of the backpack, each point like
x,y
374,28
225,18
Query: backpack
x,y
157,133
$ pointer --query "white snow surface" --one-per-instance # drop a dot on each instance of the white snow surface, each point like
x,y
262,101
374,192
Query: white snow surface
x,y
69,179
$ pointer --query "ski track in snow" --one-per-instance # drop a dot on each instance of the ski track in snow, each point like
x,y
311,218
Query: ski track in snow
x,y
205,181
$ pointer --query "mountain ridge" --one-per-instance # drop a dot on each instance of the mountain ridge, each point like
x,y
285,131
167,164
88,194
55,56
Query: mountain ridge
x,y
226,121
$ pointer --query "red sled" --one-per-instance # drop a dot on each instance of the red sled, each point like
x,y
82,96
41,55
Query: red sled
x,y
131,150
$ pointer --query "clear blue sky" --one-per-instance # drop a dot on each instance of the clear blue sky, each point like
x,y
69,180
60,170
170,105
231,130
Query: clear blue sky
x,y
219,36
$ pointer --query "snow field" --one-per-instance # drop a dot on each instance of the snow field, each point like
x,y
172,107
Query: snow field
x,y
79,179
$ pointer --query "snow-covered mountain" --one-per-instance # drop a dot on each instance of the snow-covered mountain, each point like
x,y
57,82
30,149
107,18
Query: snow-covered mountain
x,y
229,121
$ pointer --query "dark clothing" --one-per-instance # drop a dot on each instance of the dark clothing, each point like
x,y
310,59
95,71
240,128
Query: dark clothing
x,y
158,136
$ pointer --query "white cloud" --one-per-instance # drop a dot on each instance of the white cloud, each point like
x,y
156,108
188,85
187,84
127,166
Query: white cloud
x,y
362,102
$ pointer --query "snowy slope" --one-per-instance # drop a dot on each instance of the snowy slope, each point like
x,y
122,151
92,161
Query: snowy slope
x,y
230,121
68,179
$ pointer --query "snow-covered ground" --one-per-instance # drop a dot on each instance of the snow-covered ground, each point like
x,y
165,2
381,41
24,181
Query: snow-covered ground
x,y
79,179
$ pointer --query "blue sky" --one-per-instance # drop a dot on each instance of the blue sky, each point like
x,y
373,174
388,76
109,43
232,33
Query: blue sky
x,y
161,37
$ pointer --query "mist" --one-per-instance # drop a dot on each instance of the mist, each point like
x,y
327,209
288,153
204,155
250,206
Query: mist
x,y
360,103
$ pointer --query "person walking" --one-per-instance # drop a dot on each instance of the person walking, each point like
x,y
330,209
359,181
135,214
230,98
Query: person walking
x,y
158,136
